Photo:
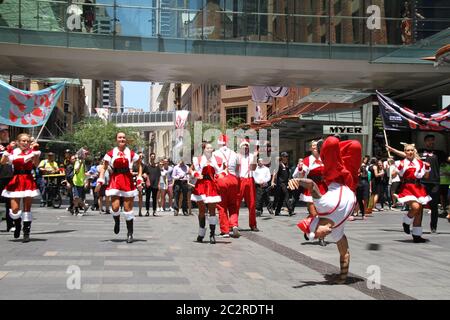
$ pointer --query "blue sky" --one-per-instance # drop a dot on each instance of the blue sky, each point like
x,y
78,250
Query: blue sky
x,y
136,94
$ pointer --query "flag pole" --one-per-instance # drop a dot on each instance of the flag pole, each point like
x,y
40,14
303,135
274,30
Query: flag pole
x,y
386,140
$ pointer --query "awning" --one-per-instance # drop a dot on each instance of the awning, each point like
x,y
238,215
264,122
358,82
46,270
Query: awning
x,y
323,107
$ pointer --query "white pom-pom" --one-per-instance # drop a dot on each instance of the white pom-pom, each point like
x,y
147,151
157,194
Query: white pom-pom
x,y
311,236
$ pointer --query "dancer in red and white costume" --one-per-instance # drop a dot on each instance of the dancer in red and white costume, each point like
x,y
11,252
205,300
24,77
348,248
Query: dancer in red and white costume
x,y
23,155
121,184
313,169
228,187
341,164
205,191
411,192
247,189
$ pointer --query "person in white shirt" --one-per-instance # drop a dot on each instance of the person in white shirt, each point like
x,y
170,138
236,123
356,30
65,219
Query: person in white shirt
x,y
262,181
247,190
394,182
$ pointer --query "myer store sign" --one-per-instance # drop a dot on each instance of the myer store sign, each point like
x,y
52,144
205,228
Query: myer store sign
x,y
350,130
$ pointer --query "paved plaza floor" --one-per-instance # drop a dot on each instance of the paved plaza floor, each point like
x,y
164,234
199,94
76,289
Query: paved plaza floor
x,y
164,262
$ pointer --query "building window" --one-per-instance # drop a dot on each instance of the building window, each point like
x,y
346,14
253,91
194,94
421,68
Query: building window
x,y
237,112
234,87
66,93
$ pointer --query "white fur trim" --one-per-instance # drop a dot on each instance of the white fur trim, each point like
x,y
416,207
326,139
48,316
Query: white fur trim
x,y
407,220
307,199
116,214
213,220
314,223
20,194
120,193
421,200
201,232
15,216
197,198
27,217
129,215
417,231
215,199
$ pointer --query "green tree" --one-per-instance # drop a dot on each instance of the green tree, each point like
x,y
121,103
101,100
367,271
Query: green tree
x,y
234,122
100,137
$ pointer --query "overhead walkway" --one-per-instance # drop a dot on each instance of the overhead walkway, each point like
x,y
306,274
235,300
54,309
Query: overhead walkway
x,y
144,121
208,44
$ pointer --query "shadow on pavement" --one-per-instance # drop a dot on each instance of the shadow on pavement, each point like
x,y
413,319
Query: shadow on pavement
x,y
55,232
329,281
315,243
31,240
123,240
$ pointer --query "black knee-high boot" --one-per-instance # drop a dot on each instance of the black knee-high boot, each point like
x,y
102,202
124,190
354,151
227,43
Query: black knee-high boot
x,y
26,231
202,229
130,231
212,234
116,224
212,227
18,226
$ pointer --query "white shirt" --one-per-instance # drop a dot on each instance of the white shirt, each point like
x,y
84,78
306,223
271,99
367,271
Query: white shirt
x,y
393,168
229,158
245,163
261,174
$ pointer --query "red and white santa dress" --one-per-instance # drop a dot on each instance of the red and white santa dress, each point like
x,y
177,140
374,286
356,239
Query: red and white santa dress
x,y
411,189
312,168
22,185
205,189
121,182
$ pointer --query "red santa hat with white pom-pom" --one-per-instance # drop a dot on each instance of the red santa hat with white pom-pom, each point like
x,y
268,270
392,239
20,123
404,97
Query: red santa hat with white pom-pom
x,y
223,139
308,226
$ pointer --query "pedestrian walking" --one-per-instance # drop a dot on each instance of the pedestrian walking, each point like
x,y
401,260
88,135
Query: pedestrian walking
x,y
180,178
262,182
152,174
280,181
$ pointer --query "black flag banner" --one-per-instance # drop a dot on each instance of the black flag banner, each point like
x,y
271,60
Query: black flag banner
x,y
399,118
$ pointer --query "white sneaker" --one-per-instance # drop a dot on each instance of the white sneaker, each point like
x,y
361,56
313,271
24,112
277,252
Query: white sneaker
x,y
79,215
171,209
12,229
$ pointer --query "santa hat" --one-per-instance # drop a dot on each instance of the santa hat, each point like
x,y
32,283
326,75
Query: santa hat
x,y
223,139
244,142
308,226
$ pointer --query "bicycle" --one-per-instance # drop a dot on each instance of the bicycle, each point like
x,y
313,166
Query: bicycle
x,y
54,197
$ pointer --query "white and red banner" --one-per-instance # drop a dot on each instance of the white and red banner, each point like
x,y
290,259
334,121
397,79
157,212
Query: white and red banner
x,y
27,109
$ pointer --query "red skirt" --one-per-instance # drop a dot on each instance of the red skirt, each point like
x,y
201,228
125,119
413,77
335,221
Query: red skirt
x,y
121,185
306,196
21,186
206,191
413,192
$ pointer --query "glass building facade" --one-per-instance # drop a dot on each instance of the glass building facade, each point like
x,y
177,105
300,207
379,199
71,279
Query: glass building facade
x,y
272,27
